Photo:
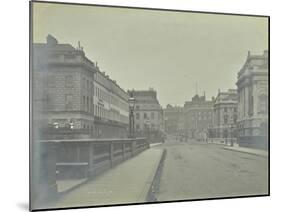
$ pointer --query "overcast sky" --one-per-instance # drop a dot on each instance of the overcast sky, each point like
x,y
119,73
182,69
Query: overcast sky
x,y
168,51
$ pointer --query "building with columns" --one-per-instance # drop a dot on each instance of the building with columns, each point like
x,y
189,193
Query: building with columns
x,y
198,115
252,85
225,117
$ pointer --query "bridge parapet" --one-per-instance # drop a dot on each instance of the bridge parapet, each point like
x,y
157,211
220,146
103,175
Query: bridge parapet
x,y
54,160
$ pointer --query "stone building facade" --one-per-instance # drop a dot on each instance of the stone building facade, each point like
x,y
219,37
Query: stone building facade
x,y
225,117
65,92
198,115
111,107
252,85
148,113
172,118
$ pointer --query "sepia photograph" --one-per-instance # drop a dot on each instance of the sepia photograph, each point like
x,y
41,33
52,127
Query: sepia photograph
x,y
138,105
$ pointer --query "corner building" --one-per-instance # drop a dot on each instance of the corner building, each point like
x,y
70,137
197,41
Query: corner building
x,y
252,87
148,114
225,116
172,116
70,99
198,115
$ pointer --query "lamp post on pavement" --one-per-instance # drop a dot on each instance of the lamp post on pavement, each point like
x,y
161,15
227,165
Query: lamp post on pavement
x,y
231,133
131,116
208,133
147,122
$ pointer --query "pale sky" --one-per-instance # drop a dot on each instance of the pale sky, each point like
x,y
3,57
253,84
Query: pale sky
x,y
168,51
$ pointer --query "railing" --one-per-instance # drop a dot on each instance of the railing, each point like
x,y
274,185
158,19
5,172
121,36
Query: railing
x,y
53,160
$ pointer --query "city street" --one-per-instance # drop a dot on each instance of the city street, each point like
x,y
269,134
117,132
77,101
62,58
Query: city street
x,y
196,170
110,123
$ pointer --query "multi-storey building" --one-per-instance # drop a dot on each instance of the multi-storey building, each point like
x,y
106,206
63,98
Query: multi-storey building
x,y
148,113
72,97
225,116
172,115
198,114
252,87
111,107
61,96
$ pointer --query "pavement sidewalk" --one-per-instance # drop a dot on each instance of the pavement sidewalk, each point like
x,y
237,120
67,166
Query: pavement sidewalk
x,y
67,185
128,182
251,151
155,144
222,142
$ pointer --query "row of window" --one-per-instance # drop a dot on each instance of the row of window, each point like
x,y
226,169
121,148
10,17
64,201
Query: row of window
x,y
87,106
147,106
225,110
199,113
100,112
229,119
101,94
108,114
105,96
234,109
119,103
261,101
145,126
202,118
146,116
88,85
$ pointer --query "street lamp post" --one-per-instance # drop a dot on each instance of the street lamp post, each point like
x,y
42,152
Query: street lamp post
x,y
147,124
131,116
231,133
208,133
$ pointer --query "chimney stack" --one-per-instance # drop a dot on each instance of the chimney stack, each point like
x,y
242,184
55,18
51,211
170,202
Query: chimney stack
x,y
51,41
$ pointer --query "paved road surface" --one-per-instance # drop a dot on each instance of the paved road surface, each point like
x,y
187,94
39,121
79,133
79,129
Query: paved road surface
x,y
198,170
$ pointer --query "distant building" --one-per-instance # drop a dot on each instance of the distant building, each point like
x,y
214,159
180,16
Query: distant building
x,y
72,97
172,115
148,113
252,87
181,124
198,114
225,116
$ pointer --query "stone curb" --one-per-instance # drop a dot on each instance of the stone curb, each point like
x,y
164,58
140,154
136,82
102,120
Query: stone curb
x,y
250,153
150,196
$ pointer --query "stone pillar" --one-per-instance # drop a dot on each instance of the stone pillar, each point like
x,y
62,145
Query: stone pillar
x,y
111,153
255,98
91,160
134,147
123,151
246,100
43,176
